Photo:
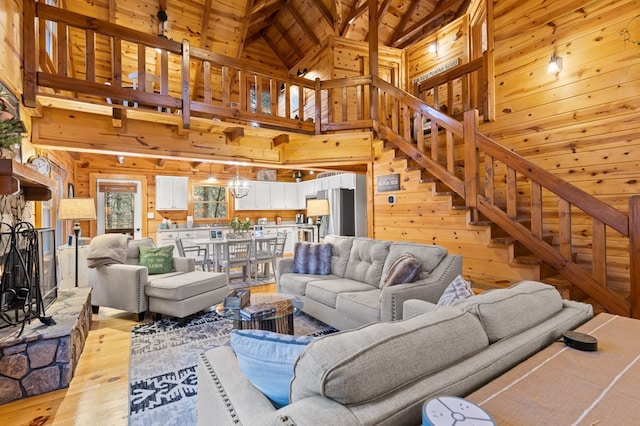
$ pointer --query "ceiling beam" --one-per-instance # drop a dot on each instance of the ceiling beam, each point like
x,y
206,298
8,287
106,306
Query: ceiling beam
x,y
438,14
353,13
306,28
326,14
290,41
244,27
405,19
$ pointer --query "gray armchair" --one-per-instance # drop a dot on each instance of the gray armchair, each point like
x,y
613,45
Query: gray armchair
x,y
121,286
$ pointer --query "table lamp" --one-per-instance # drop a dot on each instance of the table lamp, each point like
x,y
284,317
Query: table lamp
x,y
318,208
76,209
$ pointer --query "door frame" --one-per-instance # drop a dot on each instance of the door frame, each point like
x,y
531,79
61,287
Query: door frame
x,y
93,191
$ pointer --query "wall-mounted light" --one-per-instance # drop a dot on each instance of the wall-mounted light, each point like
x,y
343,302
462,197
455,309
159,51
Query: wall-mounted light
x,y
301,73
433,47
120,159
555,64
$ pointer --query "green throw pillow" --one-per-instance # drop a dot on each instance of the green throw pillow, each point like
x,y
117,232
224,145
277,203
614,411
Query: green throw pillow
x,y
156,259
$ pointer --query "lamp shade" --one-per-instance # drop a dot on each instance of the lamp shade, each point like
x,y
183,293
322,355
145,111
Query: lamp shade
x,y
317,207
76,209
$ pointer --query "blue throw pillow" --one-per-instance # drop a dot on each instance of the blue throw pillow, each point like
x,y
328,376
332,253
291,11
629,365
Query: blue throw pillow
x,y
266,359
310,258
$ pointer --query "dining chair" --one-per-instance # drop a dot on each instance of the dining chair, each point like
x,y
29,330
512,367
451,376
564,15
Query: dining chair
x,y
234,253
264,253
198,253
281,239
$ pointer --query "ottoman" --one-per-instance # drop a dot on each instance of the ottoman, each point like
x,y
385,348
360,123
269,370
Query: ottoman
x,y
185,294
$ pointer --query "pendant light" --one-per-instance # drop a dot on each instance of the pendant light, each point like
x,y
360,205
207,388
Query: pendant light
x,y
211,178
239,186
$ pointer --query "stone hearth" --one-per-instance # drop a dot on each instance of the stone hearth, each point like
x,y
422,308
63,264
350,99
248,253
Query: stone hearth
x,y
44,358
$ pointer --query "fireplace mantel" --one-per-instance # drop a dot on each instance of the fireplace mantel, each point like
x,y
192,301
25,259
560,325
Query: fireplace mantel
x,y
15,176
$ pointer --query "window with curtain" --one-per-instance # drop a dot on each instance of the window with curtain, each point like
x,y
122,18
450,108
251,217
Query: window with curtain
x,y
119,207
209,202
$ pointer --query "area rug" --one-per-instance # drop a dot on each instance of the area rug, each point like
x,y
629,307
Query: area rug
x,y
162,365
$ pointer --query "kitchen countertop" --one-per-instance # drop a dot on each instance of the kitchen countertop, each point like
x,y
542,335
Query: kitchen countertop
x,y
205,228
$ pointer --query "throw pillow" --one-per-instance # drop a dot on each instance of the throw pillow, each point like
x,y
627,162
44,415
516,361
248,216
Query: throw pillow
x,y
405,269
158,260
458,289
266,359
107,249
309,258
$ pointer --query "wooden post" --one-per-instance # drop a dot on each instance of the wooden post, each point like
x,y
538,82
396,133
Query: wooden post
x,y
373,55
29,54
318,123
470,158
185,76
634,255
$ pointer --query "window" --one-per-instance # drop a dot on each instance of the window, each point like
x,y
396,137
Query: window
x,y
50,33
209,202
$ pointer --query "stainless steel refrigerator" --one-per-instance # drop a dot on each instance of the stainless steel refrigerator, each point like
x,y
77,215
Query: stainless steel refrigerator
x,y
342,216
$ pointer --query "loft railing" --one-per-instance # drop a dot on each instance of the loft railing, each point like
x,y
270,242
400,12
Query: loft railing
x,y
142,70
524,200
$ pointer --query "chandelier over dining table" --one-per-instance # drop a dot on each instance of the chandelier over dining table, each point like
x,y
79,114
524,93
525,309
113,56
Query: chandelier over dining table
x,y
238,186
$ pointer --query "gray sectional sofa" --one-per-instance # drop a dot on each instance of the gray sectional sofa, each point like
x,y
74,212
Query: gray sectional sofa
x,y
382,373
353,294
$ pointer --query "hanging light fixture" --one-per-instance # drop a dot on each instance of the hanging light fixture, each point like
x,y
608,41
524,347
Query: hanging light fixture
x,y
238,186
555,64
211,178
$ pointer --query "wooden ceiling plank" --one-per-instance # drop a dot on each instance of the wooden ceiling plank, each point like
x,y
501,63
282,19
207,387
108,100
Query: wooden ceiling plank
x,y
280,140
244,27
272,46
288,39
347,21
326,14
405,19
306,28
438,13
384,8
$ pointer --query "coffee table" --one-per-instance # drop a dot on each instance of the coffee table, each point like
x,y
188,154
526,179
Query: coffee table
x,y
281,321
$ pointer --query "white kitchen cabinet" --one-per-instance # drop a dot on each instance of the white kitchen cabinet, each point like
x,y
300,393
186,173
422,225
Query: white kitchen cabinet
x,y
263,195
247,202
277,194
172,192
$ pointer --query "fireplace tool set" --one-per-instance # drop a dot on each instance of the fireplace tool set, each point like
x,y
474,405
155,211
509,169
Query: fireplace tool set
x,y
20,293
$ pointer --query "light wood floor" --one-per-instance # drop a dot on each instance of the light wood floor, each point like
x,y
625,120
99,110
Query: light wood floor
x,y
98,391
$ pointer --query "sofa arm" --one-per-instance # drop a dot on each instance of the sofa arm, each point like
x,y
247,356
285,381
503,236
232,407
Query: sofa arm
x,y
284,266
429,289
119,286
184,264
225,395
413,307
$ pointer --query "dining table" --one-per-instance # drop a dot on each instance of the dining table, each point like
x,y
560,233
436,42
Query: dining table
x,y
214,245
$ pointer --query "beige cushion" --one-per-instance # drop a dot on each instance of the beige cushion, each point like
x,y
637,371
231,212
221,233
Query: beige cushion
x,y
133,249
507,312
366,260
106,250
355,366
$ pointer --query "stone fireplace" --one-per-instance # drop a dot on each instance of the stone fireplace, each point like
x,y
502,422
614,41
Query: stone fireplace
x,y
41,357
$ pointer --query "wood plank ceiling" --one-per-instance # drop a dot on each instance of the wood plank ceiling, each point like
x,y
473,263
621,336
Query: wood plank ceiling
x,y
288,28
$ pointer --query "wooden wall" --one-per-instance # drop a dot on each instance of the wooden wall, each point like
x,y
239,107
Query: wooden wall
x,y
581,124
90,167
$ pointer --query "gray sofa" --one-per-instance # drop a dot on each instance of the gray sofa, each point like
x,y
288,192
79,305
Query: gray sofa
x,y
353,294
382,373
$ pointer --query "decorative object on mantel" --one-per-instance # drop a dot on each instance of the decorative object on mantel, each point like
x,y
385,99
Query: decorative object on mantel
x,y
76,209
239,228
21,296
239,186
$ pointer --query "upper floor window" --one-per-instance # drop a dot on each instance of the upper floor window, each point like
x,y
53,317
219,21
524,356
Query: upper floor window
x,y
50,33
209,202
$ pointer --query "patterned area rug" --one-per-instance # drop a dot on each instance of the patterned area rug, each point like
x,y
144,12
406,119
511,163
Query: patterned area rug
x,y
162,366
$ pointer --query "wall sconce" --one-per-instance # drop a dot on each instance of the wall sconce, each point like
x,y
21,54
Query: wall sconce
x,y
555,64
120,159
433,47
